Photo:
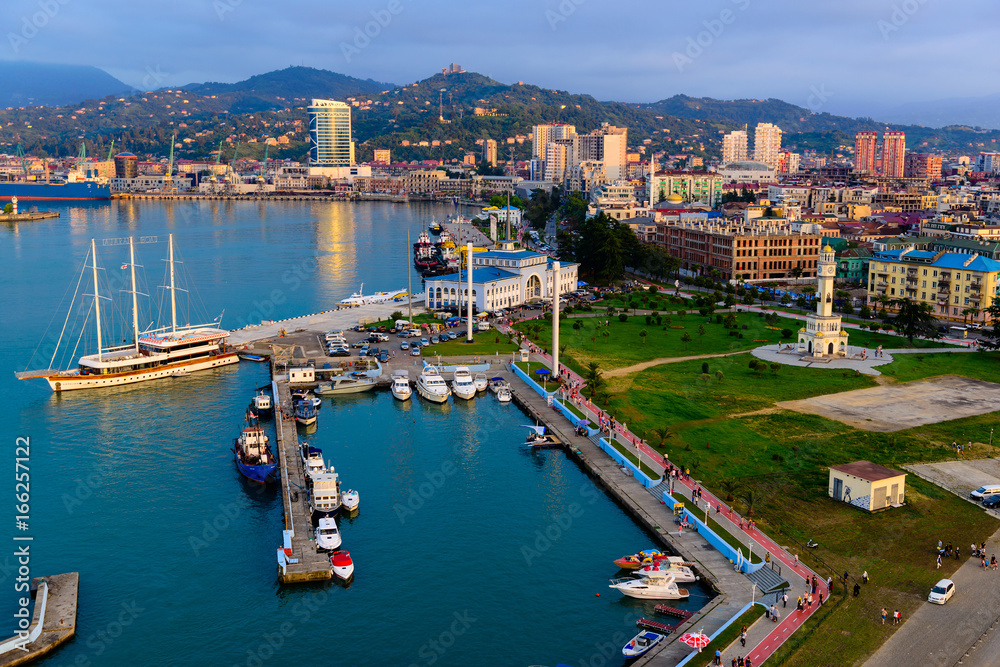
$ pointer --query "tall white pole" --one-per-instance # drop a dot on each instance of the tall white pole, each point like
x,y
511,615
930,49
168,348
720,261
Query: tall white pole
x,y
135,303
468,266
173,298
97,299
555,319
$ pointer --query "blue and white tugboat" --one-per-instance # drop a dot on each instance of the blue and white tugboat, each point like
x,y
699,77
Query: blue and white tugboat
x,y
305,412
252,453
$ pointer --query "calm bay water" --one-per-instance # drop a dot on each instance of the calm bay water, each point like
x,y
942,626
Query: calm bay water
x,y
468,548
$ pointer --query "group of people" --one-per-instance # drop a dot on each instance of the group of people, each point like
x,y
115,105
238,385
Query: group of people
x,y
772,613
897,617
737,662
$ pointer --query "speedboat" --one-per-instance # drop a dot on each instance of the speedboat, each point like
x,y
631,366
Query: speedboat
x,y
481,382
343,566
463,385
641,559
681,573
345,384
641,644
497,383
261,403
401,385
328,535
432,386
253,456
659,587
504,395
350,500
305,412
324,497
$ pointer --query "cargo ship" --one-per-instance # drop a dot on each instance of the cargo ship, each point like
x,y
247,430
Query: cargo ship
x,y
39,191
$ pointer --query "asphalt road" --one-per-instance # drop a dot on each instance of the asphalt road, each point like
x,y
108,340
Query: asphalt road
x,y
941,635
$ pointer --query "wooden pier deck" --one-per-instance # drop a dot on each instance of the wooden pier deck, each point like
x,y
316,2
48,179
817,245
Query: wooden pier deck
x,y
310,564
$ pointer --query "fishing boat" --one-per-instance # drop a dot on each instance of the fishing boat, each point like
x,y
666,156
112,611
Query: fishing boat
x,y
482,384
660,587
343,566
153,354
312,461
261,403
643,558
435,227
305,412
328,535
641,644
249,356
252,454
350,501
324,497
463,386
401,385
504,395
345,384
432,386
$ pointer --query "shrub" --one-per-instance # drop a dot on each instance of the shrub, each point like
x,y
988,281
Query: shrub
x,y
743,327
652,289
576,325
704,368
649,319
718,319
396,315
623,318
681,314
703,312
719,376
658,320
786,333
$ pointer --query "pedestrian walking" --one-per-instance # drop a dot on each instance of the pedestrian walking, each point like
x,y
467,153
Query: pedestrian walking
x,y
784,600
821,598
846,577
829,584
895,617
718,657
857,589
864,577
939,562
743,638
883,615
796,560
957,549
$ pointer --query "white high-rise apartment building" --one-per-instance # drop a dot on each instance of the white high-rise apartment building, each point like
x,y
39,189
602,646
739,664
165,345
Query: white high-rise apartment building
x,y
608,145
542,135
767,144
558,157
734,146
330,142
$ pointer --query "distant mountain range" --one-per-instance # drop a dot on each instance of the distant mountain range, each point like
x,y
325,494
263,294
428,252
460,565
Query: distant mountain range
x,y
44,84
295,83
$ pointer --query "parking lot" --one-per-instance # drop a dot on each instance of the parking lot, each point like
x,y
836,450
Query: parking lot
x,y
960,477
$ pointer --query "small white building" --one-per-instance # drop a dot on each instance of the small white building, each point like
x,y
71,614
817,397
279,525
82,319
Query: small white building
x,y
501,279
302,375
867,485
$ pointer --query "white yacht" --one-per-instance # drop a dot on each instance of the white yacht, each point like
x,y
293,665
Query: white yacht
x,y
657,587
401,385
359,299
324,498
328,535
504,395
350,501
432,386
312,461
344,384
463,385
681,573
481,382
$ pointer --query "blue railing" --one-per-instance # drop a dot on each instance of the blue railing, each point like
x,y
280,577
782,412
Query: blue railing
x,y
610,450
713,538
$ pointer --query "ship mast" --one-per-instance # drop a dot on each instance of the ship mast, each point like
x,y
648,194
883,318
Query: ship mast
x,y
97,299
173,298
135,305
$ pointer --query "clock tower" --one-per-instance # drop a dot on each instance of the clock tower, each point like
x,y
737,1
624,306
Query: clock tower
x,y
822,337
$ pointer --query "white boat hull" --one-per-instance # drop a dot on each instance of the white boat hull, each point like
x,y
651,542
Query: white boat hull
x,y
433,398
401,394
467,393
72,382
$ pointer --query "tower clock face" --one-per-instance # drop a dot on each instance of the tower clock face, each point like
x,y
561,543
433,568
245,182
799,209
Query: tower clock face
x,y
827,270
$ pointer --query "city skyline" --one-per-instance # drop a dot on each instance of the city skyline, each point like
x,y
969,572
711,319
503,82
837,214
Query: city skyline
x,y
715,51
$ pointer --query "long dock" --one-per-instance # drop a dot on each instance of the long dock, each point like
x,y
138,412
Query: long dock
x,y
58,625
303,562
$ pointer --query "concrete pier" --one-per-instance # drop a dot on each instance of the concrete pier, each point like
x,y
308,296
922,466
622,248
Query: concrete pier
x,y
59,625
309,564
28,217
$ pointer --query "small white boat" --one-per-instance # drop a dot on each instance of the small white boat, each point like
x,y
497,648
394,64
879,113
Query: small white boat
x,y
498,383
345,384
481,382
657,587
681,573
312,461
463,386
432,386
342,564
180,372
642,643
401,385
262,402
504,395
328,535
350,500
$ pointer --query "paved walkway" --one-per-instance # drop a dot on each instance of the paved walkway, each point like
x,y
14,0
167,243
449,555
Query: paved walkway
x,y
635,368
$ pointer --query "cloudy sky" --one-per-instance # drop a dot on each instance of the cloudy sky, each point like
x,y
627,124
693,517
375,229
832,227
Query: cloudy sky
x,y
852,56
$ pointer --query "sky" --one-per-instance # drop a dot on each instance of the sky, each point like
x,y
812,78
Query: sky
x,y
852,57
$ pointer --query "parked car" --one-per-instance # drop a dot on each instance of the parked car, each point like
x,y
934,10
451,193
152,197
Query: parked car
x,y
404,345
985,491
415,351
424,342
365,349
373,352
452,335
383,356
942,591
435,340
360,343
991,501
340,352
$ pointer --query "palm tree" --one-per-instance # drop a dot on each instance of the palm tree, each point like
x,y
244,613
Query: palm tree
x,y
751,498
603,396
663,433
592,376
729,486
607,334
913,319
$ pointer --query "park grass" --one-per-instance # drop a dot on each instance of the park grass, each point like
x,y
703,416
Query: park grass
x,y
731,540
732,632
575,410
417,319
623,346
916,366
660,302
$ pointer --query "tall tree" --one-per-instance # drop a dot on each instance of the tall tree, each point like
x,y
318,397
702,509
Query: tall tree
x,y
913,319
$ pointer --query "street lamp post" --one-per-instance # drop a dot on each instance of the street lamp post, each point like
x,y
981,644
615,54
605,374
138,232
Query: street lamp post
x,y
989,452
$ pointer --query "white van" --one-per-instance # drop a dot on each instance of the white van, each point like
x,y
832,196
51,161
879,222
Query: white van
x,y
985,491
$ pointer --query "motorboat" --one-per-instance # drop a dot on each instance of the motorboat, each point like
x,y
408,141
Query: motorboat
x,y
539,438
305,412
261,403
481,382
343,566
504,395
650,588
641,559
401,385
432,386
497,383
328,535
350,501
324,497
345,384
463,386
642,643
312,461
252,453
681,573
249,356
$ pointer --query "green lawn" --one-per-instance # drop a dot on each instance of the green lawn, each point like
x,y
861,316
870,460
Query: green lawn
x,y
623,346
978,365
417,319
730,539
646,301
629,453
